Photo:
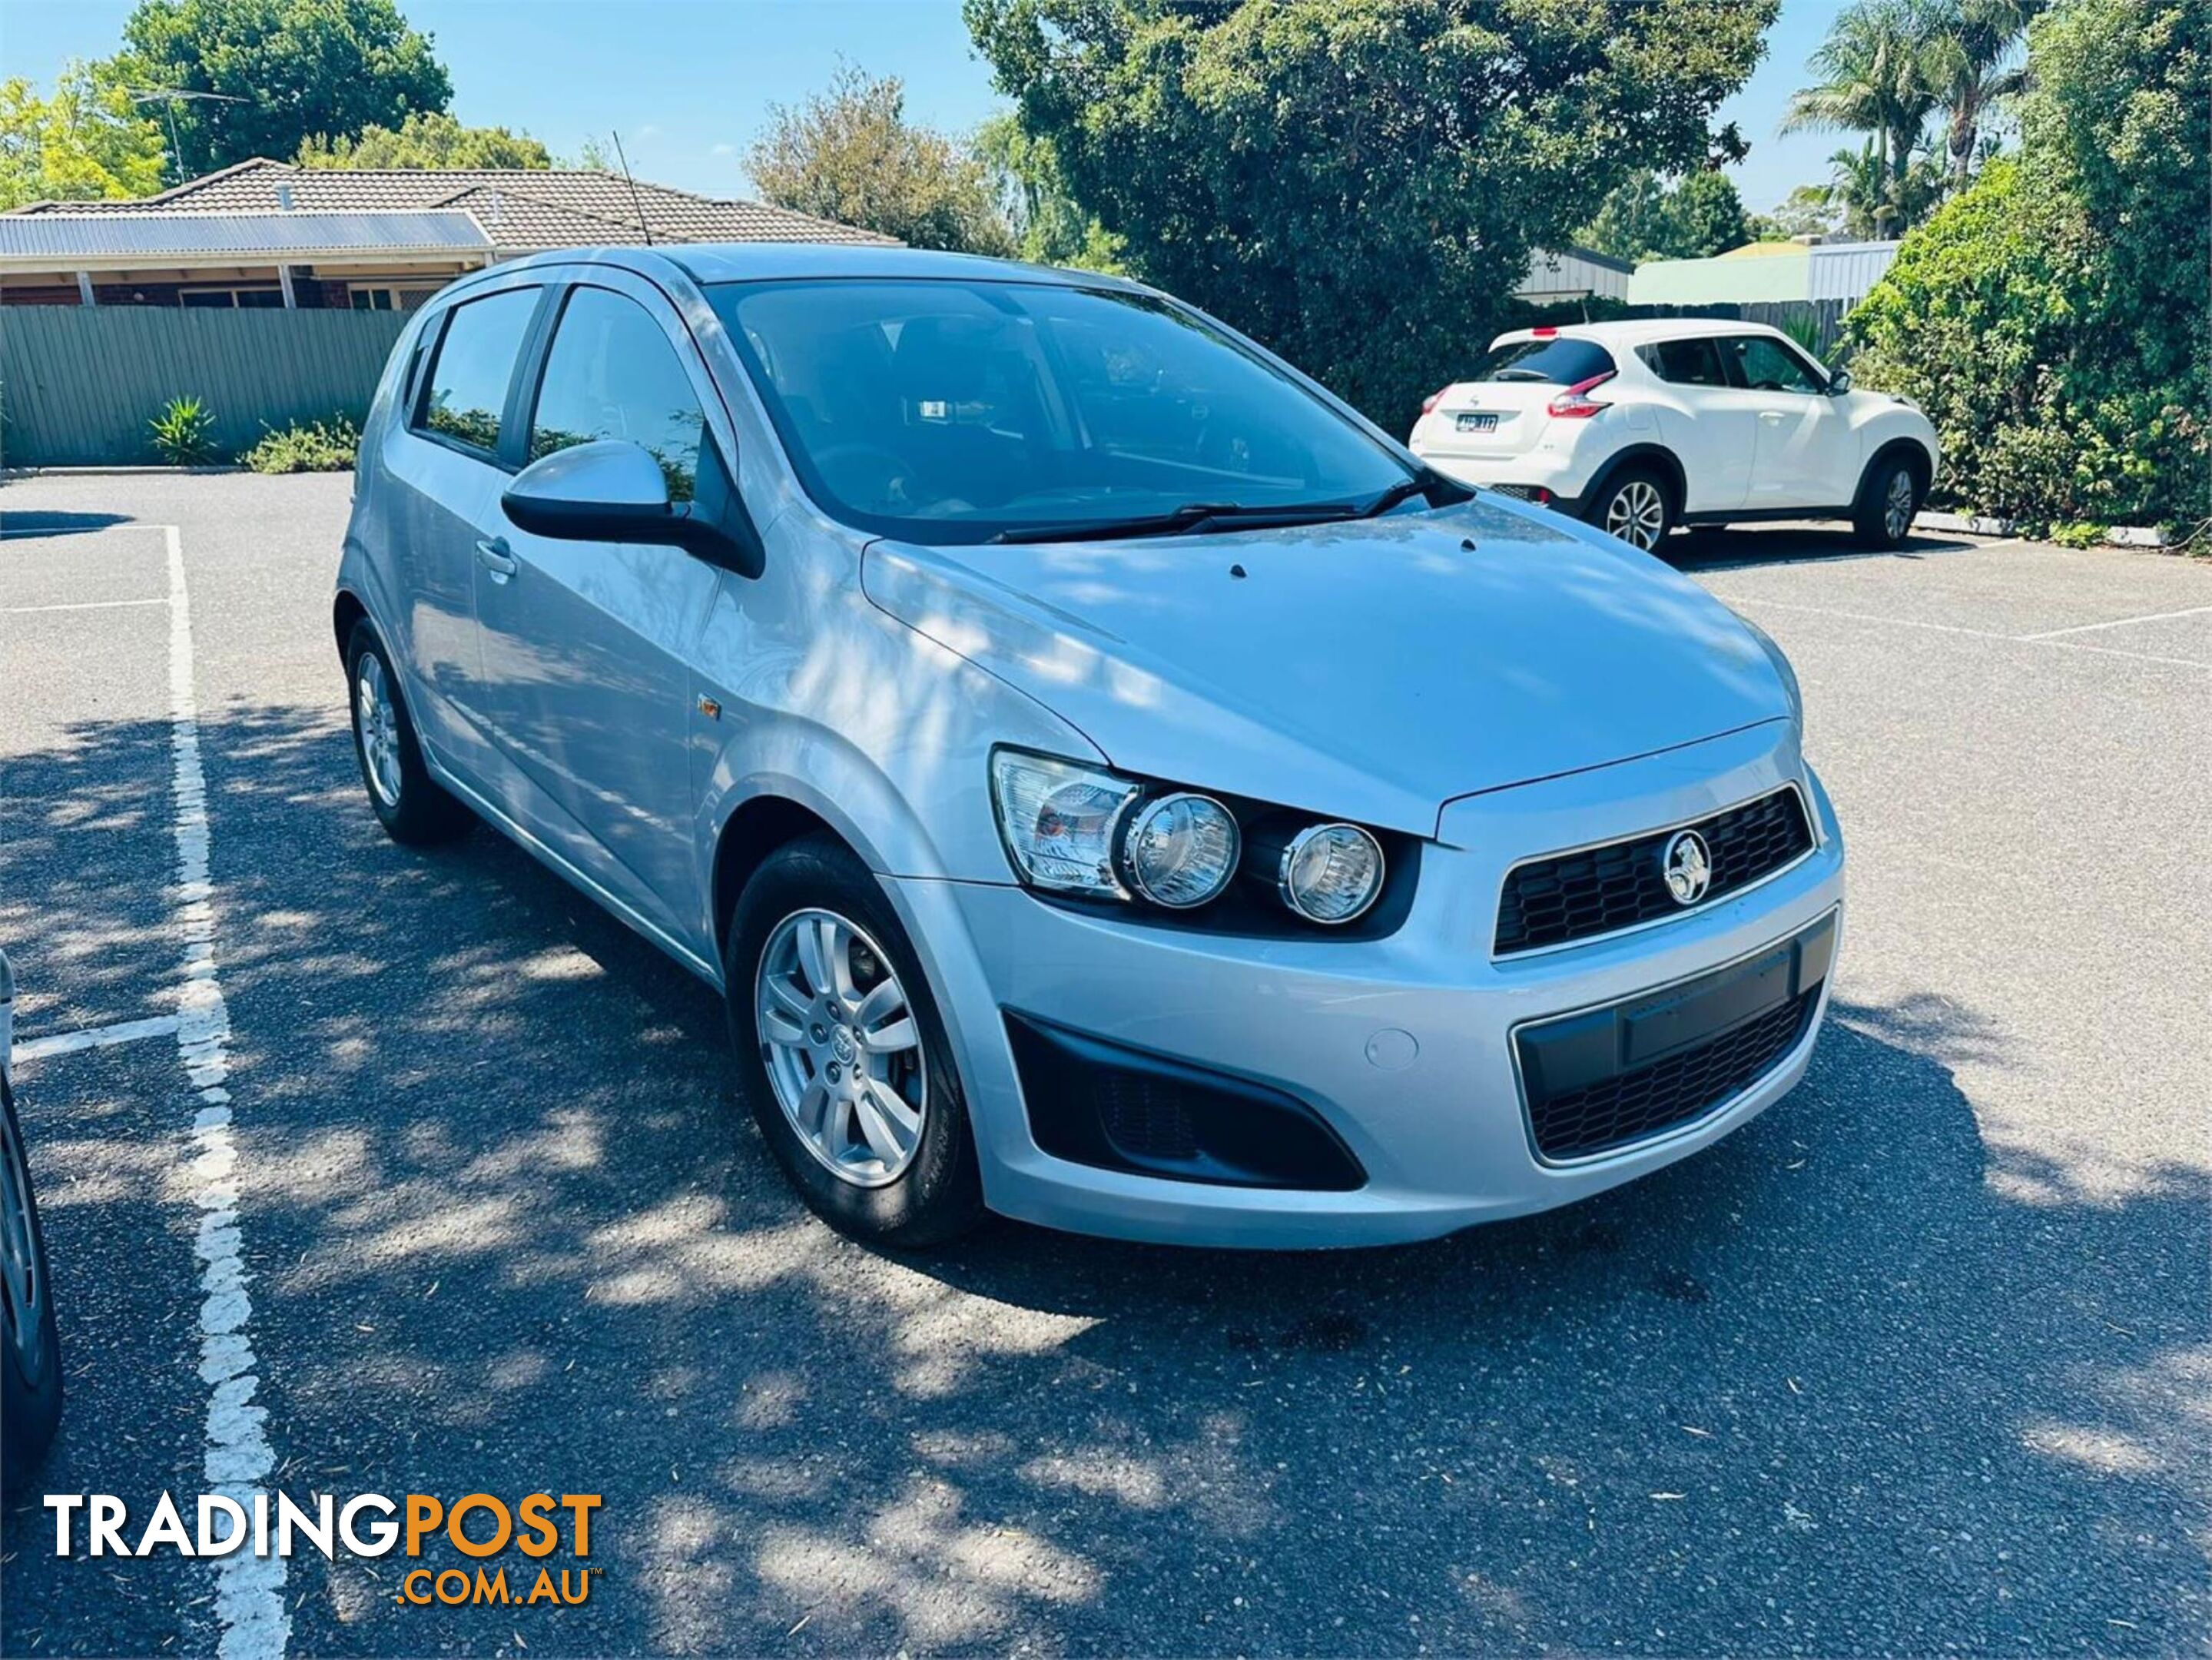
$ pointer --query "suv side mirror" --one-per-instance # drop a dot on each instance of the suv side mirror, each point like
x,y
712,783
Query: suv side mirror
x,y
613,491
1839,383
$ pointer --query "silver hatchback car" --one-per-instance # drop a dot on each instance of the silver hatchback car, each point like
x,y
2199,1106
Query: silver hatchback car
x,y
1111,782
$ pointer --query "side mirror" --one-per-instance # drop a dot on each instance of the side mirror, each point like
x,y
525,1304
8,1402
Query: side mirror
x,y
613,491
1839,383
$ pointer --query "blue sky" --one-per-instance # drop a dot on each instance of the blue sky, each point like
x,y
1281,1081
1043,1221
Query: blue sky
x,y
687,82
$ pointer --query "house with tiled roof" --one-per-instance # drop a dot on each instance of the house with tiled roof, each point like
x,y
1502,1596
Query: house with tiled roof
x,y
266,233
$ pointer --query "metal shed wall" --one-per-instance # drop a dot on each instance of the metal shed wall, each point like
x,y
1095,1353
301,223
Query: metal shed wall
x,y
79,385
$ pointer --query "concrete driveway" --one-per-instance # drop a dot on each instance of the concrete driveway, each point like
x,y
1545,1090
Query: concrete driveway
x,y
1921,1360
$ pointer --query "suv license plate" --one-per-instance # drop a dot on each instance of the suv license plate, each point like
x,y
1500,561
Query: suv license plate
x,y
1480,421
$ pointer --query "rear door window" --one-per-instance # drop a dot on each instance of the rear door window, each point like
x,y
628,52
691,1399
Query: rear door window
x,y
466,398
611,373
1685,363
1557,361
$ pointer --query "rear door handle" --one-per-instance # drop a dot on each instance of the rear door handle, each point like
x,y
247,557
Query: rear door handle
x,y
494,557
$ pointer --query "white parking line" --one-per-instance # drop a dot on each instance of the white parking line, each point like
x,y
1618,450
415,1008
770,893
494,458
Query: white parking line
x,y
2120,623
2047,639
81,605
249,1590
95,1037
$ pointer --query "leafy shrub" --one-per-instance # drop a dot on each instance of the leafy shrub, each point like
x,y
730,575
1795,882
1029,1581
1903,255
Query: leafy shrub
x,y
2076,535
184,432
2052,319
305,447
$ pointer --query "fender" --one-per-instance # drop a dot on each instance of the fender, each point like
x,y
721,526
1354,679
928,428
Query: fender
x,y
1914,451
1656,456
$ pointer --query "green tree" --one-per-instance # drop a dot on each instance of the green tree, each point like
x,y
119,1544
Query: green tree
x,y
427,139
86,142
1875,79
1807,210
1049,227
1645,219
1360,183
1969,58
2052,319
849,154
299,70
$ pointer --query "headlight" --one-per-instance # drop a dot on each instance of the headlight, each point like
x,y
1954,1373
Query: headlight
x,y
1181,850
1331,873
1086,833
1059,821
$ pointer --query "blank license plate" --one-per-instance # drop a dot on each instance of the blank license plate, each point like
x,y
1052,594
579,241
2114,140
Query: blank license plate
x,y
1476,421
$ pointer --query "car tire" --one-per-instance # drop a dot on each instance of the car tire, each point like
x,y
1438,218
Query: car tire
x,y
413,807
30,1347
1635,506
1889,500
800,1025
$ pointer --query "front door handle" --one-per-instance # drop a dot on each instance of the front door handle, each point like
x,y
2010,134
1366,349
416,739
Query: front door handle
x,y
494,557
1772,417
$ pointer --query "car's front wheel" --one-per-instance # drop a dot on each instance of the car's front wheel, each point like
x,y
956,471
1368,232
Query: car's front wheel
x,y
1888,502
1634,505
841,1053
408,802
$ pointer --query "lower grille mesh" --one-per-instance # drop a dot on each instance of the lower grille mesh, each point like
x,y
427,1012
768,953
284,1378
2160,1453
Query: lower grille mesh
x,y
1616,1110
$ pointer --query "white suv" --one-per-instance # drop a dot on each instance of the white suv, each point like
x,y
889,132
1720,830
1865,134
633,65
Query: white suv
x,y
1640,427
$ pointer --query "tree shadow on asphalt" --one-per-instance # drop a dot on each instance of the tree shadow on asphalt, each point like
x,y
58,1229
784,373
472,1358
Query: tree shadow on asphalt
x,y
1851,1380
53,522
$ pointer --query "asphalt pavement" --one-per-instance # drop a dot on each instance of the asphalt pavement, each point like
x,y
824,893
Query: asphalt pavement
x,y
1920,1361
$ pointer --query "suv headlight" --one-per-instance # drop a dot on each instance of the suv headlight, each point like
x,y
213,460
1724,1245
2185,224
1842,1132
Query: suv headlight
x,y
1088,833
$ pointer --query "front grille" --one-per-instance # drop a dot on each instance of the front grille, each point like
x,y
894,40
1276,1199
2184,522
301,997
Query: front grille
x,y
1682,1087
1575,896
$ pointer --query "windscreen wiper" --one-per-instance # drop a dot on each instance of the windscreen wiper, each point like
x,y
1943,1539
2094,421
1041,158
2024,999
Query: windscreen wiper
x,y
1428,482
1190,517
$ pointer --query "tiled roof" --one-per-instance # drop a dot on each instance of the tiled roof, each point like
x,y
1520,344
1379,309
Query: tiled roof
x,y
518,208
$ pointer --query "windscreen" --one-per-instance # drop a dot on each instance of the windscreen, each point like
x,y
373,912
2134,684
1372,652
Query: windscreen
x,y
954,411
1558,362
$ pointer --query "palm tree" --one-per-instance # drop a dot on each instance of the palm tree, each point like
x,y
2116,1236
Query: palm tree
x,y
1968,57
1873,68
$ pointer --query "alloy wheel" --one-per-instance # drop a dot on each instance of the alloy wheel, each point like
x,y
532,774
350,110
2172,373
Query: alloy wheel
x,y
1636,514
841,1048
379,722
1897,506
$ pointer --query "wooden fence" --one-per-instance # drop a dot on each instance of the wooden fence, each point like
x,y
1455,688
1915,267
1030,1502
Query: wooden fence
x,y
78,385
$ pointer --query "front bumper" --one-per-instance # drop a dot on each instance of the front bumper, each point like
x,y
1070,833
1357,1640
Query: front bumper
x,y
1437,1123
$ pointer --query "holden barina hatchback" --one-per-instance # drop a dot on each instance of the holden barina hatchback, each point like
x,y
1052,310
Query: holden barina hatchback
x,y
1110,782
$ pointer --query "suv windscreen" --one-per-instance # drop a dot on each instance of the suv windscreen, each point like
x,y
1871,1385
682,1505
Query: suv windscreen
x,y
1556,362
951,411
467,394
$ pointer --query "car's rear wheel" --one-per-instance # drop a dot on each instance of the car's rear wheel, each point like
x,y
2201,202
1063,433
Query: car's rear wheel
x,y
30,1348
841,1053
1888,502
409,803
1636,506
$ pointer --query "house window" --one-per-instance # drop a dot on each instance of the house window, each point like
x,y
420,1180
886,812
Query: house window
x,y
381,297
239,299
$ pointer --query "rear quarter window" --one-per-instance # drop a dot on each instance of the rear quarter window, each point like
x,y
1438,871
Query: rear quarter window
x,y
1560,361
466,399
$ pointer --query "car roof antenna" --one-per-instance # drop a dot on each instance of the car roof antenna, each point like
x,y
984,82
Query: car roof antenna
x,y
636,206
